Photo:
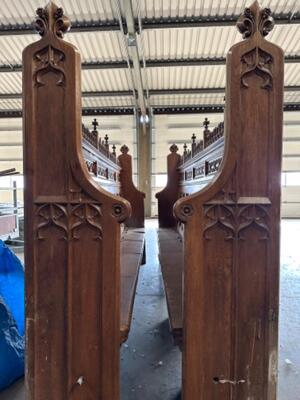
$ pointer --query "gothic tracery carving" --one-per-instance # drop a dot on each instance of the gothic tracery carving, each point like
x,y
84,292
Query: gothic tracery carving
x,y
69,218
52,214
235,218
47,60
258,62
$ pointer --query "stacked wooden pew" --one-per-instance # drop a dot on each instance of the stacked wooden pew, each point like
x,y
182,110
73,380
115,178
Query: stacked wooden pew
x,y
82,249
115,175
222,280
227,316
187,174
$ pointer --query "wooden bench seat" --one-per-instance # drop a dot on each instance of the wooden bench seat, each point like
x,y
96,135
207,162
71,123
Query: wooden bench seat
x,y
187,174
171,261
115,175
132,257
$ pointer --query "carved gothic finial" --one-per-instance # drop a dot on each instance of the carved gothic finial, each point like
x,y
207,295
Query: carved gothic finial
x,y
51,19
173,148
106,140
184,148
254,19
124,149
114,149
95,124
206,123
193,138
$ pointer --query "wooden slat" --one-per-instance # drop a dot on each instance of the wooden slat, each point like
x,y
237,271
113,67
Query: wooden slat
x,y
131,259
171,260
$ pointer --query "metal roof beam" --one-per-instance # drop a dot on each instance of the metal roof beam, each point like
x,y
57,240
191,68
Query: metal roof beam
x,y
77,26
203,109
98,65
134,55
220,90
86,111
149,23
121,93
153,92
122,64
186,62
207,21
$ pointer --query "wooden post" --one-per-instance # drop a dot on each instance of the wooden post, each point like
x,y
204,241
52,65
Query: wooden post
x,y
130,192
169,195
72,233
144,162
231,240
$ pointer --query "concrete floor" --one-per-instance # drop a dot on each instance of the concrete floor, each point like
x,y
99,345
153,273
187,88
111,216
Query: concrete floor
x,y
150,364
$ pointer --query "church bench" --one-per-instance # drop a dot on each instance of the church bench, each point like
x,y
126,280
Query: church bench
x,y
231,230
77,227
114,174
187,174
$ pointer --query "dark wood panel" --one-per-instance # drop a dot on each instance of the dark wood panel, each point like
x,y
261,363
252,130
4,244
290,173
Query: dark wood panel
x,y
231,237
72,233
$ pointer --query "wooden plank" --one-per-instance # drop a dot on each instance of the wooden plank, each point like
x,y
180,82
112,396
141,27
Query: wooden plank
x,y
171,260
130,264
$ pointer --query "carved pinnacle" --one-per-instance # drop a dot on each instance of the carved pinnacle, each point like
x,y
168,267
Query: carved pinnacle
x,y
206,123
51,20
173,148
95,124
124,149
255,20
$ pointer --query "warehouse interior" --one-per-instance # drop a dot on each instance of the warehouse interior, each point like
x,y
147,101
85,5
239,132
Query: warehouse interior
x,y
152,71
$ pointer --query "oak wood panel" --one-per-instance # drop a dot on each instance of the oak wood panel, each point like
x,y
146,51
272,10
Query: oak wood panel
x,y
231,238
129,191
72,233
168,196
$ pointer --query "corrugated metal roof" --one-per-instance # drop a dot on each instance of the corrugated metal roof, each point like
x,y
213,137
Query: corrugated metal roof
x,y
182,8
105,80
20,11
187,100
93,46
189,43
103,46
160,44
96,102
11,82
212,76
10,104
186,77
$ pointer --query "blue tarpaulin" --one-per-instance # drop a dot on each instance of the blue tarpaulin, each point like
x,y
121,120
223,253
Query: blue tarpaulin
x,y
12,344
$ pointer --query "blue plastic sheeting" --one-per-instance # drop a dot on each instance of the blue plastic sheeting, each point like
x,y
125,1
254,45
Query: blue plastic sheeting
x,y
12,348
12,284
12,343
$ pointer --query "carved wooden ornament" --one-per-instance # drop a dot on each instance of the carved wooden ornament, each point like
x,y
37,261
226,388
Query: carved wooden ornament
x,y
72,249
231,240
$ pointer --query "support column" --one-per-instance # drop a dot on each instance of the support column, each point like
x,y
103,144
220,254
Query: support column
x,y
144,160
